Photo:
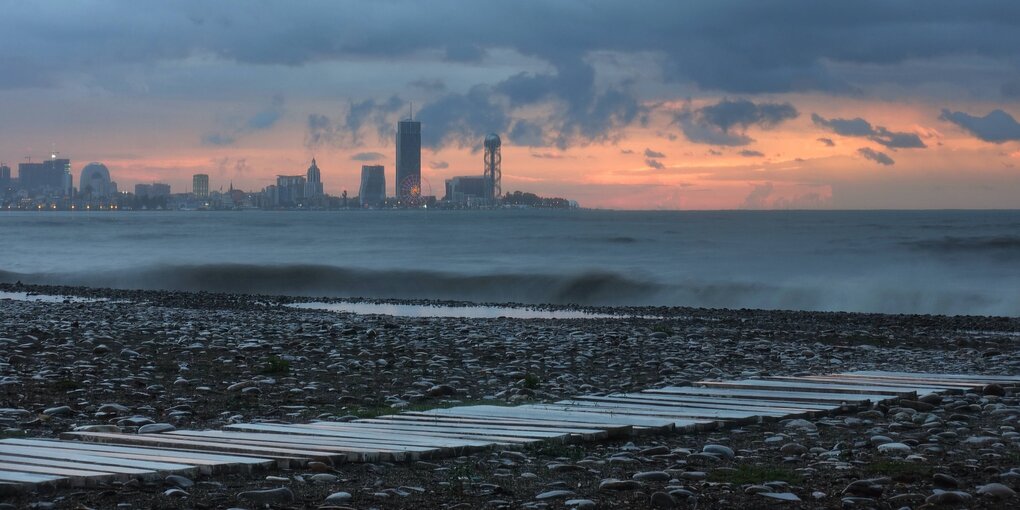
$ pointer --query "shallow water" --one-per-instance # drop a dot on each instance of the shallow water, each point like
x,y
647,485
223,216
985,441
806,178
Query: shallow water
x,y
44,298
465,312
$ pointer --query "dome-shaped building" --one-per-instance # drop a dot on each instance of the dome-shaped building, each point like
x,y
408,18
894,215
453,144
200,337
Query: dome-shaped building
x,y
95,181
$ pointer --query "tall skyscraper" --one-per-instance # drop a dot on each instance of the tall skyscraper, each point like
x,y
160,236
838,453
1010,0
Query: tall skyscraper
x,y
52,176
408,181
200,185
313,182
289,191
5,175
373,186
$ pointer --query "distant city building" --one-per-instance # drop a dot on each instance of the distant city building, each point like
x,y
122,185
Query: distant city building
x,y
373,186
200,185
154,190
50,177
313,184
408,172
95,181
493,171
5,175
289,190
467,190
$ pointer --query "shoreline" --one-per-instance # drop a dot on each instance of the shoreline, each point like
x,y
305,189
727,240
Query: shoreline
x,y
170,357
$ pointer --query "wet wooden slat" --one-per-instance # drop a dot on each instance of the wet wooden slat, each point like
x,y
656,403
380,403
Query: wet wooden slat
x,y
939,377
28,478
159,440
808,386
52,453
183,455
790,396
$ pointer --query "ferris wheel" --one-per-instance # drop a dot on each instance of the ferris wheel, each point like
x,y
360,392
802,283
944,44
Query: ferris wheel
x,y
411,193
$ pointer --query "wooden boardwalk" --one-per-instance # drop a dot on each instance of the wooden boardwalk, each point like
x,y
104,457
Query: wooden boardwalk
x,y
91,458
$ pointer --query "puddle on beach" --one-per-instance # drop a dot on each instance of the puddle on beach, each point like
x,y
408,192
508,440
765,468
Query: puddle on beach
x,y
464,312
45,298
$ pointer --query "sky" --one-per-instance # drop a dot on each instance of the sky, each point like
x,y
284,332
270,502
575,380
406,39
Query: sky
x,y
616,104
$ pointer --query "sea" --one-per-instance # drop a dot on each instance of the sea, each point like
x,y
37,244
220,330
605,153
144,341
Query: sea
x,y
916,262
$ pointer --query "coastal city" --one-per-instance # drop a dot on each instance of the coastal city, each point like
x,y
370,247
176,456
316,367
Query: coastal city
x,y
49,185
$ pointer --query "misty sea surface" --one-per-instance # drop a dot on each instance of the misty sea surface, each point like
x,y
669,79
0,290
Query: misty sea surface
x,y
930,262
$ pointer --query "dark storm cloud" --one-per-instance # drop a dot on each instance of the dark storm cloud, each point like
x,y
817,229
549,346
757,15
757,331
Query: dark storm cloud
x,y
367,156
654,163
724,123
587,114
738,47
996,127
463,119
878,157
375,113
321,130
727,114
261,120
1010,89
861,128
429,85
747,153
827,142
528,134
649,153
845,127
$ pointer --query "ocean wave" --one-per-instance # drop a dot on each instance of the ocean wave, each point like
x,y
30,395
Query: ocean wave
x,y
587,288
886,293
996,245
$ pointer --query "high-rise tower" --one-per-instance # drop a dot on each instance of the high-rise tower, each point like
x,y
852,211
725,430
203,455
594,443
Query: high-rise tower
x,y
493,172
200,185
373,186
408,182
313,181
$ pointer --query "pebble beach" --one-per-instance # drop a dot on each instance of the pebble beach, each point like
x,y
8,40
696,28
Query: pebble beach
x,y
143,361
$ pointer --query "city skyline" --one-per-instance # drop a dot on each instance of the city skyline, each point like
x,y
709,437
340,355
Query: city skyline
x,y
889,107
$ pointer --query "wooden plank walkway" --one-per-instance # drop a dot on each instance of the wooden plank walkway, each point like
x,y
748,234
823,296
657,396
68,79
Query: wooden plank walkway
x,y
84,459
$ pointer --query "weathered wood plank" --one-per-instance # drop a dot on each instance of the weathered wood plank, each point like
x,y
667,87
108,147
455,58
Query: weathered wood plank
x,y
181,455
865,381
49,453
483,430
36,461
578,416
732,400
28,478
666,410
434,432
572,428
772,395
158,440
288,440
662,400
963,384
354,451
808,386
366,435
936,377
77,477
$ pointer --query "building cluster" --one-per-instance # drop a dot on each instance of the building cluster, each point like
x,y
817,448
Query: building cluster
x,y
410,190
49,185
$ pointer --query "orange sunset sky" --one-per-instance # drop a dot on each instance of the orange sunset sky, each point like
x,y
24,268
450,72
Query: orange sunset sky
x,y
632,105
